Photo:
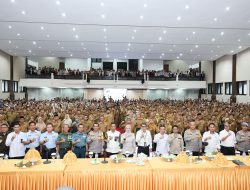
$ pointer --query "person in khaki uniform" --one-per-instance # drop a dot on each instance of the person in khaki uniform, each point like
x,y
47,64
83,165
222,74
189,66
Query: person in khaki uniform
x,y
176,143
243,139
23,124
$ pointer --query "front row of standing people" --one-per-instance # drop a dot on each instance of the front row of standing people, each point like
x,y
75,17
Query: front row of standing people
x,y
18,143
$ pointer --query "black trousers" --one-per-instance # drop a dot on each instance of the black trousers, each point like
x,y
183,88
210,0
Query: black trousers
x,y
241,152
19,157
196,153
63,151
37,148
49,152
144,150
110,154
227,150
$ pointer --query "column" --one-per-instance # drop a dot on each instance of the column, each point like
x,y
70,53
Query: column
x,y
200,90
12,95
213,97
140,65
88,64
234,85
115,64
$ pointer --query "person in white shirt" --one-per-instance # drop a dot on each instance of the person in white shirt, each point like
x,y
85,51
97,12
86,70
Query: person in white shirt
x,y
228,140
16,140
33,137
144,140
161,140
48,140
212,138
113,140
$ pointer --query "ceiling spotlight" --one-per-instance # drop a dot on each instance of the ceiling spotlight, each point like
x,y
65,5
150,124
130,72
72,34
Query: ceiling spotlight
x,y
178,57
164,31
63,14
132,37
145,5
16,47
186,7
163,54
74,29
141,17
104,29
215,19
9,26
129,44
125,56
240,47
23,12
134,30
213,39
160,57
196,46
142,57
227,8
71,55
76,36
128,49
194,32
106,49
231,51
47,35
149,49
178,18
39,47
102,4
13,1
239,40
42,28
106,44
9,42
18,34
181,54
222,33
34,42
30,51
170,50
58,43
160,38
103,16
58,2
191,50
82,44
186,39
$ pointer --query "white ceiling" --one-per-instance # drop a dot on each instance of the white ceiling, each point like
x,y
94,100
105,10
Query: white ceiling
x,y
191,30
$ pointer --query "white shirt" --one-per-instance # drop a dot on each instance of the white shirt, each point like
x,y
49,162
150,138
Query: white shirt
x,y
146,140
113,145
17,148
213,143
162,145
33,135
229,141
52,139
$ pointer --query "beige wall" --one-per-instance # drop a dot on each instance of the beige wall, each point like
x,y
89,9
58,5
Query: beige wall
x,y
4,66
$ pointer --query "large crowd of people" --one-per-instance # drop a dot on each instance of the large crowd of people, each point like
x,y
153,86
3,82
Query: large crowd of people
x,y
127,126
120,73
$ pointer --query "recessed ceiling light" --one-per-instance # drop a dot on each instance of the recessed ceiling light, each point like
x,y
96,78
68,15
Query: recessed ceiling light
x,y
132,37
239,40
125,56
58,43
141,17
106,44
227,8
102,4
191,50
13,1
163,54
128,49
164,31
9,42
160,57
30,51
145,5
18,34
212,51
170,50
76,36
74,29
181,54
106,49
58,2
249,34
39,47
47,35
134,30
222,33
215,19
160,38
178,57
63,14
186,39
142,57
174,45
42,28
9,26
129,44
232,51
186,7
103,16
178,18
196,46
34,42
82,44
194,32
149,49
213,39
104,29
16,47
23,12
71,55
240,47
